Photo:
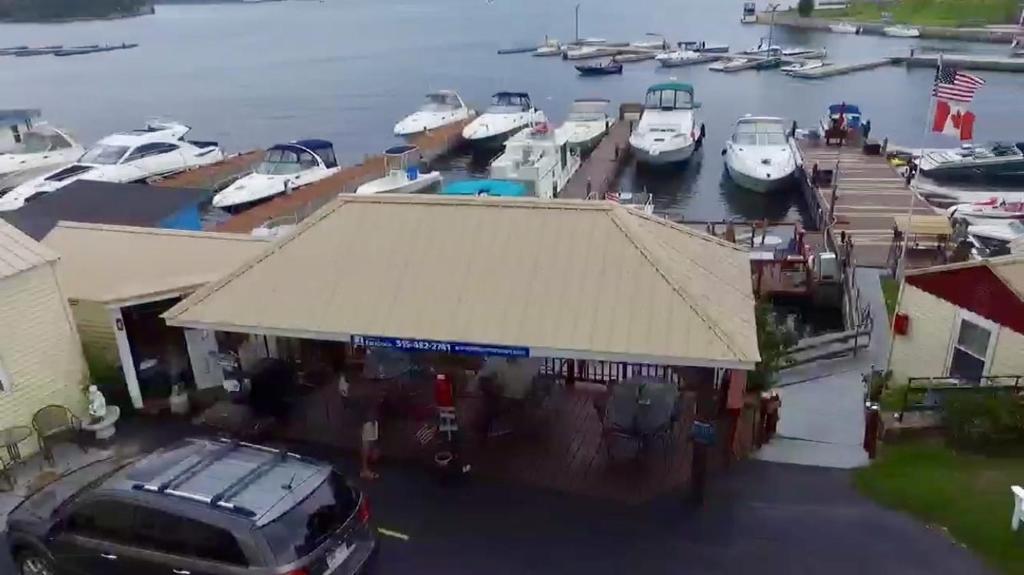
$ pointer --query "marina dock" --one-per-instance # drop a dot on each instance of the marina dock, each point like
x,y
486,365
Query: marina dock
x,y
830,70
964,62
215,176
293,207
868,196
600,172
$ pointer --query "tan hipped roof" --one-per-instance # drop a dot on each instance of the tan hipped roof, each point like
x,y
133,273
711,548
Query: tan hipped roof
x,y
19,252
118,264
564,278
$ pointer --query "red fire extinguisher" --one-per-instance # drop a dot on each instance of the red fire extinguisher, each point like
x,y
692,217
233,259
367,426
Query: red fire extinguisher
x,y
444,396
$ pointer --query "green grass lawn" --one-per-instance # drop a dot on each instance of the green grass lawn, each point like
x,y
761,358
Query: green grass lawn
x,y
931,12
891,292
969,495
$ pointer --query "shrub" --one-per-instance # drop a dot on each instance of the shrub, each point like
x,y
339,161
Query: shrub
x,y
805,8
773,341
988,420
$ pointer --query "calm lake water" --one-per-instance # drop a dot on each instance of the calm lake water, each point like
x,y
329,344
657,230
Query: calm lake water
x,y
346,70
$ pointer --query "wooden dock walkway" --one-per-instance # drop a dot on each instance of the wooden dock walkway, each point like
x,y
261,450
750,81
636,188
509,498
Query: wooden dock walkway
x,y
305,200
869,194
600,172
964,62
215,176
831,70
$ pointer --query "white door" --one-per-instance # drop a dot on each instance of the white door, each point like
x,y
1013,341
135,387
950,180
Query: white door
x,y
202,351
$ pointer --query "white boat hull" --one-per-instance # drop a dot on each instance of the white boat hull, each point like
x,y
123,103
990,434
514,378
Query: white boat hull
x,y
663,155
399,183
256,188
902,32
419,122
493,129
843,29
758,184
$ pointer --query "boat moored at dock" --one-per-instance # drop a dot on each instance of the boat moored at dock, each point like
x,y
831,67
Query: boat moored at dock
x,y
159,149
587,123
844,28
995,163
42,149
509,113
760,156
667,132
988,211
605,69
284,167
802,66
900,31
684,58
540,157
441,108
402,174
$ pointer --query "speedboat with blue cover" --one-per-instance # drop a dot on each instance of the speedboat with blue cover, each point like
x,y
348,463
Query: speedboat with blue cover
x,y
284,167
509,113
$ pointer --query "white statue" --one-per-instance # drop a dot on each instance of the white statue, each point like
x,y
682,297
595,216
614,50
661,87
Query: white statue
x,y
97,403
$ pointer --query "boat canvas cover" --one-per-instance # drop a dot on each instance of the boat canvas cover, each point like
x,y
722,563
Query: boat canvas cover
x,y
322,148
496,272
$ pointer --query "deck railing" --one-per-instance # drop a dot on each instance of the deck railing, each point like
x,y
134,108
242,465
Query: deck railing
x,y
604,372
932,389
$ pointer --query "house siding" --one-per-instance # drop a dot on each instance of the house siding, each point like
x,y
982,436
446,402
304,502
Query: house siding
x,y
924,351
95,328
39,349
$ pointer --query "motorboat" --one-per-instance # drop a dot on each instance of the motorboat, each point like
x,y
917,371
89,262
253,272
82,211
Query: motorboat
x,y
283,168
667,132
997,233
587,52
159,149
587,123
900,31
606,69
800,52
440,109
802,66
540,157
485,187
661,44
509,113
843,116
996,163
684,58
986,211
760,155
763,48
42,149
550,48
733,64
704,47
749,13
844,28
403,175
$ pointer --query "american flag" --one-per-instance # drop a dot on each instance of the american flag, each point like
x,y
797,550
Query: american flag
x,y
951,84
612,196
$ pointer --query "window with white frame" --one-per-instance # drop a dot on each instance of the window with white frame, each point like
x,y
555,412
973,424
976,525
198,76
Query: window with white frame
x,y
973,342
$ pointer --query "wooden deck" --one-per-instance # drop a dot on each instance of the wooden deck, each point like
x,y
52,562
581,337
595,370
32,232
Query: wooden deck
x,y
600,172
869,194
215,176
307,199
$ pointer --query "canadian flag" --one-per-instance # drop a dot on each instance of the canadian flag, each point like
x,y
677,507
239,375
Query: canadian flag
x,y
954,119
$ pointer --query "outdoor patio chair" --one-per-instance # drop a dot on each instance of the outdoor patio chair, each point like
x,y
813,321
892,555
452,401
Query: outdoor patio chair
x,y
55,424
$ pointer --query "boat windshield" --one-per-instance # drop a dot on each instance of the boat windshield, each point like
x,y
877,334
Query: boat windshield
x,y
104,154
440,103
509,103
759,134
36,142
668,100
281,162
588,111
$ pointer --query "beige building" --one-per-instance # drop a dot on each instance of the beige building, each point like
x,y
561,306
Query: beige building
x,y
40,356
961,320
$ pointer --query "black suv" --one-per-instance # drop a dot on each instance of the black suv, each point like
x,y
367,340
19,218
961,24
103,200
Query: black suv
x,y
200,507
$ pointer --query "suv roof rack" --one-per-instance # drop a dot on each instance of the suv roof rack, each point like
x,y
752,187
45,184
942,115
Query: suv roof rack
x,y
249,477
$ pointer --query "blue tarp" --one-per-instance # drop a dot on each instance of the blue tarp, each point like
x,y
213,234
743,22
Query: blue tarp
x,y
484,188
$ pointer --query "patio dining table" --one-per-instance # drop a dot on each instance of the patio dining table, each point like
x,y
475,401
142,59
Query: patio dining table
x,y
10,438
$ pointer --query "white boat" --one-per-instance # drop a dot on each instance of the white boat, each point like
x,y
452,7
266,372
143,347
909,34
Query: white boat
x,y
801,52
661,44
760,155
802,66
731,64
42,149
986,211
900,31
667,132
588,122
844,28
539,157
159,149
551,47
763,48
403,175
997,232
441,108
704,47
509,113
684,58
284,167
587,52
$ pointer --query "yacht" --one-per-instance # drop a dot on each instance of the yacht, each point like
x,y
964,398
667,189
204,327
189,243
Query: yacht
x,y
996,163
402,174
540,157
735,64
42,149
441,108
550,48
509,113
760,155
667,132
284,167
900,31
844,28
587,123
684,58
159,149
997,233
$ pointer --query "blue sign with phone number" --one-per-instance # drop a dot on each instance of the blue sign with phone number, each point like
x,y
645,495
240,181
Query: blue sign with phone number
x,y
456,347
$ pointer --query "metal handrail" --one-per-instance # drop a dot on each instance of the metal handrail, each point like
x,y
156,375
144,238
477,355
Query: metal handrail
x,y
953,382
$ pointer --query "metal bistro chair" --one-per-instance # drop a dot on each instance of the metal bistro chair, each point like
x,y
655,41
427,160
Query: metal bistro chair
x,y
55,424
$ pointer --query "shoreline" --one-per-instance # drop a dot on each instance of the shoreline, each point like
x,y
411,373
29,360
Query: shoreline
x,y
144,12
993,36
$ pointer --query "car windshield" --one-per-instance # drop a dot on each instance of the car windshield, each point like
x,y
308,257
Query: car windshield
x,y
668,99
104,154
280,162
303,528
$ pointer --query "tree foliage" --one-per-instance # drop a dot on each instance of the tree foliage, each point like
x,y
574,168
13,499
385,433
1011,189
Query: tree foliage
x,y
60,9
773,341
805,7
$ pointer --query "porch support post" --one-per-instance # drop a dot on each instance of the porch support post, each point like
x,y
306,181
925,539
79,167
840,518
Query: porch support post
x,y
124,352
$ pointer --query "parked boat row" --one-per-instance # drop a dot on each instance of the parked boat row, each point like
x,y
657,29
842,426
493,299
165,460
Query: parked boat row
x,y
60,50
